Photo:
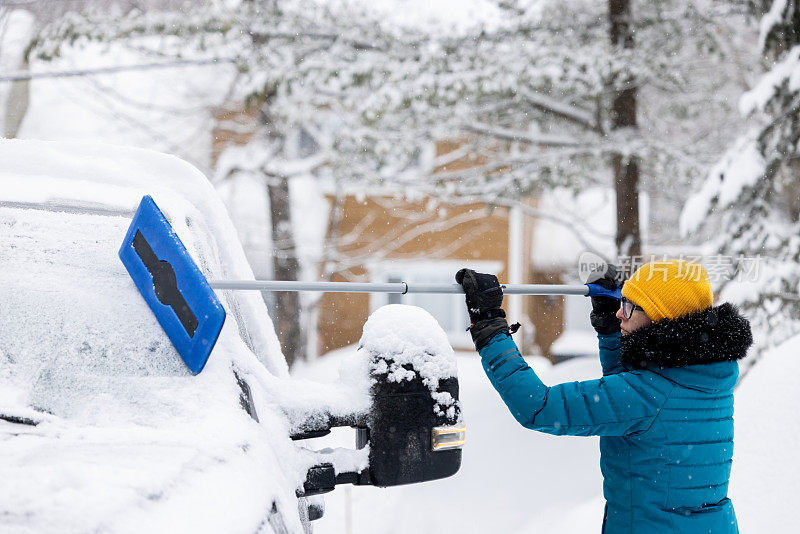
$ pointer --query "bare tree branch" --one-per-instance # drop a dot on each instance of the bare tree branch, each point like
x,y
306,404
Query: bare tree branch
x,y
565,111
513,135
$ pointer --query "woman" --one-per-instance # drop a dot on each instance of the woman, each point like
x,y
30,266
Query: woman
x,y
664,407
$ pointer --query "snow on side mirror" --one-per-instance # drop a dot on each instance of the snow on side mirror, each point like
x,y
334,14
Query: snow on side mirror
x,y
412,431
415,429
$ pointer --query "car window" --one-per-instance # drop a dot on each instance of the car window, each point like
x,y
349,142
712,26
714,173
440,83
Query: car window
x,y
74,328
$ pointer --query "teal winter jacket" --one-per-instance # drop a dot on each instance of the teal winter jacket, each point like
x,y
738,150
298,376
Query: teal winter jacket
x,y
664,413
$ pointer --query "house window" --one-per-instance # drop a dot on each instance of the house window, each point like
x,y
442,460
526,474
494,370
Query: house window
x,y
449,310
394,298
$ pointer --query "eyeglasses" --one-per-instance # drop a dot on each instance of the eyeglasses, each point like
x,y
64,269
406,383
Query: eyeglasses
x,y
628,307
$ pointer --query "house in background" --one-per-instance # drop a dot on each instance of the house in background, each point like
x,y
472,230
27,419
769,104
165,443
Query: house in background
x,y
386,239
377,235
380,238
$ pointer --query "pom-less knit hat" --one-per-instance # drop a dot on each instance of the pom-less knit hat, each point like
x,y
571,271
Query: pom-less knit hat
x,y
669,289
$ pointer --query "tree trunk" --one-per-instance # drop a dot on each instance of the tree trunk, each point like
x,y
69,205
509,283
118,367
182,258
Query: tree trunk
x,y
623,115
17,105
286,267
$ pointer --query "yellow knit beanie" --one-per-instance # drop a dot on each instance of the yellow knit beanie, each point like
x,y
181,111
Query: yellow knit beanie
x,y
669,289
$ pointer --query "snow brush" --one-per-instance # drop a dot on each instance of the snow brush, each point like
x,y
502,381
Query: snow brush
x,y
404,288
191,314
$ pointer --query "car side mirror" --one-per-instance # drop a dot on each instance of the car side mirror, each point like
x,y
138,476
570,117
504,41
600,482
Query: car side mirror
x,y
413,428
411,438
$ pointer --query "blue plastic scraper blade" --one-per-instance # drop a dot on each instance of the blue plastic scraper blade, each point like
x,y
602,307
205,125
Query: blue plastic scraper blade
x,y
172,285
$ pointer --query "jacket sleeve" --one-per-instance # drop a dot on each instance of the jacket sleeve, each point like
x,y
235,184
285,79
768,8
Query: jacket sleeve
x,y
616,405
609,345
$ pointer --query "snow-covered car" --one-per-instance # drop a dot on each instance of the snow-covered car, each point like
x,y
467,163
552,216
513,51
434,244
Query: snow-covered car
x,y
102,426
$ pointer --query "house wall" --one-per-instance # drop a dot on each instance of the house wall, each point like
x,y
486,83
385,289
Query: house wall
x,y
546,312
381,229
232,126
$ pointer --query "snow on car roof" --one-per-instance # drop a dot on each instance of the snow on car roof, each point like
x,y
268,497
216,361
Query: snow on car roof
x,y
106,177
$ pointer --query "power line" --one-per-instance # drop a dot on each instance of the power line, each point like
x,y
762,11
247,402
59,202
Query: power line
x,y
27,2
19,76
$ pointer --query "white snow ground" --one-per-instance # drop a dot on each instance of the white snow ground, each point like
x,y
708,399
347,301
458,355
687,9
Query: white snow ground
x,y
517,480
765,481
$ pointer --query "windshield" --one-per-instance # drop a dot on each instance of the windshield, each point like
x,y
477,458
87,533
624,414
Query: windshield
x,y
76,335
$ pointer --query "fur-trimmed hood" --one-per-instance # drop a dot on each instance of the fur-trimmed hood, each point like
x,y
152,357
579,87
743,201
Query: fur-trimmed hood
x,y
716,334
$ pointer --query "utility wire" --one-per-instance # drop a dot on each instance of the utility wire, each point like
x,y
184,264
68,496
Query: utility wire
x,y
19,76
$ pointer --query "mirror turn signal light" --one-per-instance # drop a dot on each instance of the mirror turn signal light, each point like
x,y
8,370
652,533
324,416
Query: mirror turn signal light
x,y
448,437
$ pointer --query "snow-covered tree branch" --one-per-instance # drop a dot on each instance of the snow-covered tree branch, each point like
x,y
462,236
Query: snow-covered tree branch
x,y
752,192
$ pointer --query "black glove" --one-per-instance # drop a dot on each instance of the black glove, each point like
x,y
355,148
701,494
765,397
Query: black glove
x,y
604,309
484,297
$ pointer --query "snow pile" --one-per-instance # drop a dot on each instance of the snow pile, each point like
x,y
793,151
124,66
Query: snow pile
x,y
765,479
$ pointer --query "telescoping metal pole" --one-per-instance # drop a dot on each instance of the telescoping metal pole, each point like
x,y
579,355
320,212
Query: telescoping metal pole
x,y
396,287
